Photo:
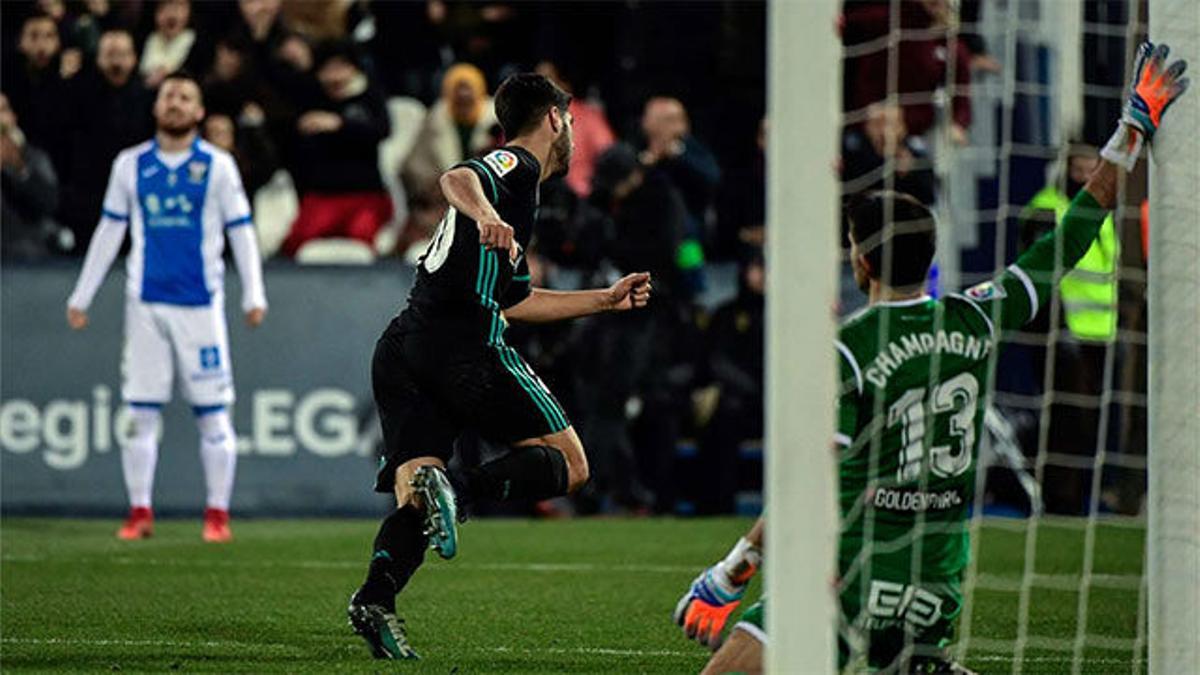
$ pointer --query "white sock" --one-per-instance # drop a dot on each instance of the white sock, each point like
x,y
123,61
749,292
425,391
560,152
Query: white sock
x,y
139,455
218,451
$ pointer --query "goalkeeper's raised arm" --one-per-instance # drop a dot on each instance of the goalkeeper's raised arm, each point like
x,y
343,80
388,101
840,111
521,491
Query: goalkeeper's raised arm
x,y
1027,284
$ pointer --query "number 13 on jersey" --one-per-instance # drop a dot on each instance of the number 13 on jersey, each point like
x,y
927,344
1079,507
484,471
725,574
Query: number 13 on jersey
x,y
955,397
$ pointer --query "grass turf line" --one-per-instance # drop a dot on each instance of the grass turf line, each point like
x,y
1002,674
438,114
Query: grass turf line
x,y
523,596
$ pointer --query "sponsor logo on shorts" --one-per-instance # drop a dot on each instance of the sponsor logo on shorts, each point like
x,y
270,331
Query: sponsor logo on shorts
x,y
210,358
891,603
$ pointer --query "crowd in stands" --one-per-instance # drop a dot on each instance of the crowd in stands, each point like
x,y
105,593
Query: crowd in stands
x,y
341,115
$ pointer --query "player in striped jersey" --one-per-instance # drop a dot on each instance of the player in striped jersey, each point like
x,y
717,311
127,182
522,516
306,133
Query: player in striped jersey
x,y
442,367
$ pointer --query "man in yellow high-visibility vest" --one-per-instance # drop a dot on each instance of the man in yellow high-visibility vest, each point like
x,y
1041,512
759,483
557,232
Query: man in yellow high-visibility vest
x,y
1089,292
1089,308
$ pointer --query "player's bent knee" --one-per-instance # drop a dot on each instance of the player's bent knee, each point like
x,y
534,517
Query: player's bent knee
x,y
567,442
577,464
577,471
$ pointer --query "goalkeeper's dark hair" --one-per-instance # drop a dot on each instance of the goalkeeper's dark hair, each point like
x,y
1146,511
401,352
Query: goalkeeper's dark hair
x,y
897,235
523,99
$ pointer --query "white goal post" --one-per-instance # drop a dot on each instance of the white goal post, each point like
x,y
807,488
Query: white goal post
x,y
1173,537
804,99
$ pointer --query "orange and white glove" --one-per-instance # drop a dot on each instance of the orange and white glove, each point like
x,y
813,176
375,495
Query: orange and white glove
x,y
712,597
1154,88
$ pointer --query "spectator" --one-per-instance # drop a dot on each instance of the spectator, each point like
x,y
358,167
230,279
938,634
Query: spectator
x,y
924,66
36,88
318,20
337,170
672,151
71,56
865,150
247,140
671,148
168,47
1089,295
29,195
261,23
981,60
638,216
97,18
460,125
117,116
492,35
412,45
229,85
742,207
590,129
231,88
275,61
734,363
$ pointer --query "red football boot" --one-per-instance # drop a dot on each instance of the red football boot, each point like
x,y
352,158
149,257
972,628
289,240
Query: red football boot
x,y
216,526
139,525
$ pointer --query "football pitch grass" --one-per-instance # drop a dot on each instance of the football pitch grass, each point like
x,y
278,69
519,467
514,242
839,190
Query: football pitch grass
x,y
591,595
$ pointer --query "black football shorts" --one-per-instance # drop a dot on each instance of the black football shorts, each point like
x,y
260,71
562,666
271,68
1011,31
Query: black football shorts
x,y
430,388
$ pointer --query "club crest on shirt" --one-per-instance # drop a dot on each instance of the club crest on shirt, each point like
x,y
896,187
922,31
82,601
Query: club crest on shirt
x,y
988,290
196,171
501,161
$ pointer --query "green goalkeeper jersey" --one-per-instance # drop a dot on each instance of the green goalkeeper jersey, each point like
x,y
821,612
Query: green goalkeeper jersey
x,y
914,384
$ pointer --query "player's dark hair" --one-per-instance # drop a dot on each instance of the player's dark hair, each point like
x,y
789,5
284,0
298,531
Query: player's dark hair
x,y
523,99
185,76
897,235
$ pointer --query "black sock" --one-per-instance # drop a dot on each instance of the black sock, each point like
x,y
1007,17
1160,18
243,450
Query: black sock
x,y
529,473
399,551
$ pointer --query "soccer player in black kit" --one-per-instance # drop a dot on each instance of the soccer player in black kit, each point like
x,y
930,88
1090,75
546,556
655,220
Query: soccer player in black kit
x,y
442,367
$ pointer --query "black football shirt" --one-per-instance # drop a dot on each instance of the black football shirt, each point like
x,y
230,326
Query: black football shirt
x,y
461,285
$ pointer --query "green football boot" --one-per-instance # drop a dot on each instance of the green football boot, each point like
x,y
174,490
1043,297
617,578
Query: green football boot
x,y
382,630
441,509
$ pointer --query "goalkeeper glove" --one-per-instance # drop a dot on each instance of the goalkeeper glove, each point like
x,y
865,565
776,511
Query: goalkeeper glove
x,y
1154,88
712,597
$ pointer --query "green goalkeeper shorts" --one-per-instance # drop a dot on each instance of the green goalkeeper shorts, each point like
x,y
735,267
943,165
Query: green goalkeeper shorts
x,y
751,621
898,616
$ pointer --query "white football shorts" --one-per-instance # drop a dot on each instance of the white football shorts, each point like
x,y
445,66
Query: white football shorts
x,y
161,339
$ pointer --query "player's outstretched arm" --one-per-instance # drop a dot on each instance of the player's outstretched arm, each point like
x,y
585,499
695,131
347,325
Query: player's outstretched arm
x,y
464,192
712,597
542,306
1027,285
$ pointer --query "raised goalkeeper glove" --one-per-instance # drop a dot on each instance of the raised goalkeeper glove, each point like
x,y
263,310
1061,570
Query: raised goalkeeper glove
x,y
712,597
1154,88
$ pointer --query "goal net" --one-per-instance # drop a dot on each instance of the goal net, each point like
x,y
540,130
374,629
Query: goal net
x,y
1084,532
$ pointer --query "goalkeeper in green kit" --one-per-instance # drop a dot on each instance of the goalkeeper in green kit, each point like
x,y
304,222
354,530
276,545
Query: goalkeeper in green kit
x,y
914,373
